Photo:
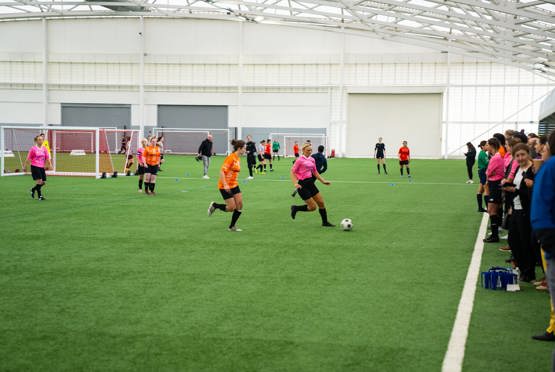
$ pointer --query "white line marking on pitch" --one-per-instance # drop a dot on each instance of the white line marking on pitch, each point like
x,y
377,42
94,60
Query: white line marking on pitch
x,y
454,357
395,182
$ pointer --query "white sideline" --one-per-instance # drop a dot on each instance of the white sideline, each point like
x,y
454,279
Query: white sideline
x,y
454,357
394,182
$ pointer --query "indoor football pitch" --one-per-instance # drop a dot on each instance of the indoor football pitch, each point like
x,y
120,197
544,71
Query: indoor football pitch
x,y
100,277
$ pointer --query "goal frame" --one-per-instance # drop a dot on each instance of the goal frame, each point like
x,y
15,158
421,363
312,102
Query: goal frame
x,y
284,148
160,130
53,172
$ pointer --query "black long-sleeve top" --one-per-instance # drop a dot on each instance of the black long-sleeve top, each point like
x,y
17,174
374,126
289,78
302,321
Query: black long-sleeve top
x,y
205,148
321,162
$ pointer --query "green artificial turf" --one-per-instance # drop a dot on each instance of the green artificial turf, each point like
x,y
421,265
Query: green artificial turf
x,y
100,277
500,335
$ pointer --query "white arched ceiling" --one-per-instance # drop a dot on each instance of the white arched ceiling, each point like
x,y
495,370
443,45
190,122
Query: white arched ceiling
x,y
518,33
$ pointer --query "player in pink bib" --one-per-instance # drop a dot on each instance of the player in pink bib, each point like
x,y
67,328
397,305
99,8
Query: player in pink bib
x,y
39,158
304,175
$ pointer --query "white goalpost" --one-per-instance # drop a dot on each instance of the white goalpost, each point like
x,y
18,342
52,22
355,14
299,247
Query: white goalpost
x,y
287,141
186,141
74,151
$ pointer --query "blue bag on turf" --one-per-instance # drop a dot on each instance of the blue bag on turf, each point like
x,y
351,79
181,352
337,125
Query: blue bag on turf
x,y
498,278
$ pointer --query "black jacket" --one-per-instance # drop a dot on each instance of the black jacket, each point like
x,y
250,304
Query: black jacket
x,y
321,162
524,192
251,148
470,156
205,148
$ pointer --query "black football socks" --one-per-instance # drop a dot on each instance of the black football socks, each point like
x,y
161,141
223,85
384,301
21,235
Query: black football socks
x,y
298,208
219,206
234,217
324,215
379,169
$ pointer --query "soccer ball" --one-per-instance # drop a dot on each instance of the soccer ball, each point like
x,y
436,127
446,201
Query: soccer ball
x,y
347,224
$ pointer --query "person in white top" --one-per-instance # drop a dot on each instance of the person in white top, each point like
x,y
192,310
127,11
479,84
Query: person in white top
x,y
520,229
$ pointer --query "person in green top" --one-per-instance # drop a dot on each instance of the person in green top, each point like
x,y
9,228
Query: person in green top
x,y
483,161
275,149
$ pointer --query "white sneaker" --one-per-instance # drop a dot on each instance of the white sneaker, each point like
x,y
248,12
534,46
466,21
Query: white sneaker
x,y
250,178
140,190
234,229
211,209
469,181
206,177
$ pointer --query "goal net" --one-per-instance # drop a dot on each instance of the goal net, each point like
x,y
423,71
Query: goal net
x,y
187,141
74,151
287,141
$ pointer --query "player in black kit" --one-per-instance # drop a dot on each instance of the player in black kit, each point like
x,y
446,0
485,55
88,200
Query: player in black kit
x,y
251,155
379,154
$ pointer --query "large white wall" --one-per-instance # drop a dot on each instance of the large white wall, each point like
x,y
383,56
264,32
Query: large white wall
x,y
268,75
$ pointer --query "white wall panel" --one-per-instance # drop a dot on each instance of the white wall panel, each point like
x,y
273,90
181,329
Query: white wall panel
x,y
414,117
21,112
93,39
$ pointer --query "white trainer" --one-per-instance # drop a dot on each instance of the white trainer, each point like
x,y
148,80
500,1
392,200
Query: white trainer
x,y
206,177
250,178
211,209
234,229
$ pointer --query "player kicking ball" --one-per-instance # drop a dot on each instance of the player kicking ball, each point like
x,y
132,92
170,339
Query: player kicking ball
x,y
229,186
302,176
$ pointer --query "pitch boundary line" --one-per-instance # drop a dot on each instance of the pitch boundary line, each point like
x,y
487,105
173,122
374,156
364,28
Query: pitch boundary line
x,y
454,357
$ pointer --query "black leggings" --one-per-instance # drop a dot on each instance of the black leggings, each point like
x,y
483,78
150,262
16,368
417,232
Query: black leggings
x,y
520,241
469,166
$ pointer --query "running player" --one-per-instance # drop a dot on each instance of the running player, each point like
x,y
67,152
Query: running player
x,y
39,158
494,173
251,159
268,154
141,164
404,158
152,160
275,149
483,160
229,187
379,154
301,174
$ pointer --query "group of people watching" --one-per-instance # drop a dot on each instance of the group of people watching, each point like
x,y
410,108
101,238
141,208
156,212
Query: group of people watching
x,y
517,189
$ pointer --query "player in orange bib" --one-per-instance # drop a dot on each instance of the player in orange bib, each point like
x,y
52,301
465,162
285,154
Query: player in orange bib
x,y
151,157
268,154
404,158
229,186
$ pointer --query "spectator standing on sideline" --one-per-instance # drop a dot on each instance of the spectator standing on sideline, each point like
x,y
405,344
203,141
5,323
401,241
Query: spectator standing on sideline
x,y
205,151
